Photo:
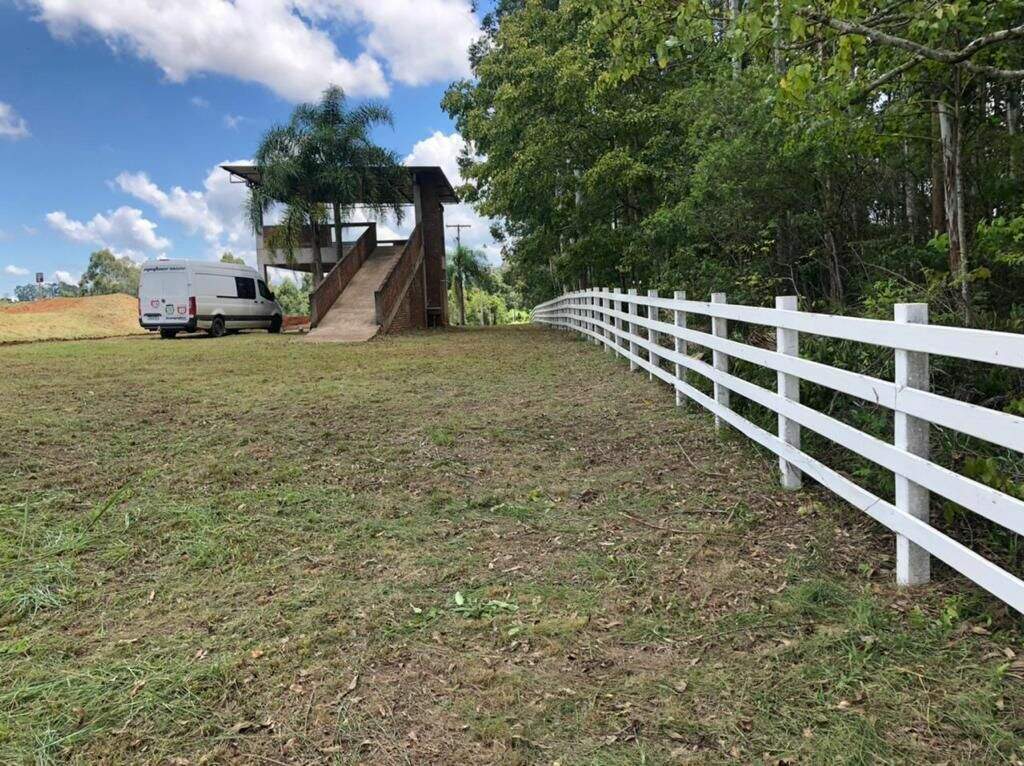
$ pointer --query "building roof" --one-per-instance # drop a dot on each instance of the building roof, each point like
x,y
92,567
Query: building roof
x,y
428,174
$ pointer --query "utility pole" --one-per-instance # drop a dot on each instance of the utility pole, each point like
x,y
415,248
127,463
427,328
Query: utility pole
x,y
458,231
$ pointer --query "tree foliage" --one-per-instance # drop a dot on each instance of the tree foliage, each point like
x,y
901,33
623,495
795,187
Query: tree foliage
x,y
228,257
857,153
324,156
294,298
34,292
108,274
757,147
466,268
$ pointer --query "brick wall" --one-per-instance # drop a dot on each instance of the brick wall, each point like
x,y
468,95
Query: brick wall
x,y
411,313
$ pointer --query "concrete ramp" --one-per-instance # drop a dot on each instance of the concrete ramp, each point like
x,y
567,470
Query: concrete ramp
x,y
353,318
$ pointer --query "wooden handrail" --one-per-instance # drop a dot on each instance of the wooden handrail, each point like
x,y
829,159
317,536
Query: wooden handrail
x,y
337,279
389,296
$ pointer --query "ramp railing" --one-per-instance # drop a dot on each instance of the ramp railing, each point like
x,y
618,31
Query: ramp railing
x,y
389,297
634,327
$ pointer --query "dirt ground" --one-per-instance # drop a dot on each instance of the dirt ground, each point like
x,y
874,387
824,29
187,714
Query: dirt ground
x,y
477,546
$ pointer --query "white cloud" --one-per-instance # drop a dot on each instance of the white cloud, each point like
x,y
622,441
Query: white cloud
x,y
11,125
422,41
232,121
217,211
199,102
15,271
124,231
66,277
186,207
264,41
30,230
444,150
283,44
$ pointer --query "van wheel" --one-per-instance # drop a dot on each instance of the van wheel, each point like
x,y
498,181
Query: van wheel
x,y
217,328
275,325
168,334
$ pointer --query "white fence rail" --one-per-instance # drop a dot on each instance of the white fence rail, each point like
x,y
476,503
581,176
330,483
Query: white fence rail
x,y
633,326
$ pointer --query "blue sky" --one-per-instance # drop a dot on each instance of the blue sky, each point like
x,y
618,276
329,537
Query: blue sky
x,y
115,114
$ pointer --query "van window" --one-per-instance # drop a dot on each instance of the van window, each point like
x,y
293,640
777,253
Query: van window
x,y
264,290
246,287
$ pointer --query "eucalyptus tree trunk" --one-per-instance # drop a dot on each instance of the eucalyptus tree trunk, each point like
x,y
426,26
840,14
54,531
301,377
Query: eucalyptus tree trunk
x,y
1013,125
832,250
953,189
460,292
339,246
737,60
909,195
938,197
778,59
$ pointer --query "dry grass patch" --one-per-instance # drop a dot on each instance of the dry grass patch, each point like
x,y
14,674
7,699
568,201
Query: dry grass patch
x,y
492,546
100,316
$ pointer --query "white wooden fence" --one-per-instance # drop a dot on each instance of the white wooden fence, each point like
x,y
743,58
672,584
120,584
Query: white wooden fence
x,y
633,326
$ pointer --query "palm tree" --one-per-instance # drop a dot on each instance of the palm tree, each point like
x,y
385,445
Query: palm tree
x,y
325,155
467,267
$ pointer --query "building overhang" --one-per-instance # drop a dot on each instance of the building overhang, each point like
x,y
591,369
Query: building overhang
x,y
418,174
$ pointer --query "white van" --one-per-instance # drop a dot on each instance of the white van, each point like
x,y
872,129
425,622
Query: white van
x,y
185,296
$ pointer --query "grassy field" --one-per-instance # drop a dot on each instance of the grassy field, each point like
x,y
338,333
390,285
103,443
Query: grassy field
x,y
493,546
99,316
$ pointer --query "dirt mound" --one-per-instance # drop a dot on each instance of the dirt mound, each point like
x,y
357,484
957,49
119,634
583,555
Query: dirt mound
x,y
100,316
51,305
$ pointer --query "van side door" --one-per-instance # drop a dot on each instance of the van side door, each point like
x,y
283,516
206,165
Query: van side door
x,y
267,303
249,312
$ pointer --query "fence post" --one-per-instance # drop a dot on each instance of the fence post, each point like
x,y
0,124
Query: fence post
x,y
606,304
633,349
585,315
720,329
652,336
591,316
619,324
788,342
913,563
680,318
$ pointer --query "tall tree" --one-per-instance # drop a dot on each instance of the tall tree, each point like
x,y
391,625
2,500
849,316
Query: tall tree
x,y
324,156
944,54
228,257
466,267
108,274
617,144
